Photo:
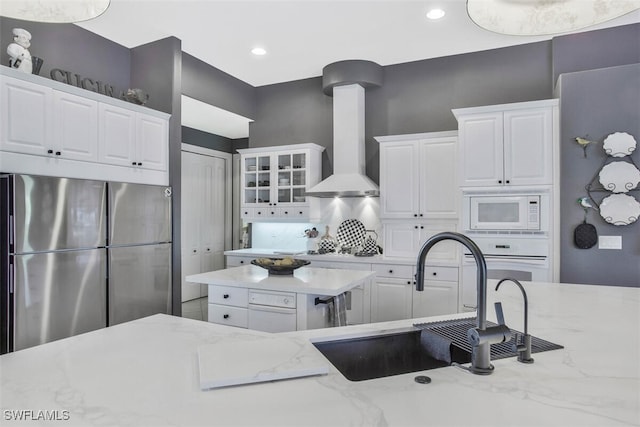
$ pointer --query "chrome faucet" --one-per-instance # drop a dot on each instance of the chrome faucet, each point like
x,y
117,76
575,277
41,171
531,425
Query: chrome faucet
x,y
522,344
481,337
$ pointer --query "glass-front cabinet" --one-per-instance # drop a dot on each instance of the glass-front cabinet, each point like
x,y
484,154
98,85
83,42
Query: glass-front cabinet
x,y
274,181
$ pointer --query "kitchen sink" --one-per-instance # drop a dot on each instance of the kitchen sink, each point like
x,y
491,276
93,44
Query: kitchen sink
x,y
419,348
387,354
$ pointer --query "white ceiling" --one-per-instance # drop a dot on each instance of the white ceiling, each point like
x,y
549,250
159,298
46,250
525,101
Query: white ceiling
x,y
302,36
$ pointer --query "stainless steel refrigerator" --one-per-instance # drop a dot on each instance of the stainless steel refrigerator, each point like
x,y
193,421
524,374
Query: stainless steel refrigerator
x,y
139,251
78,255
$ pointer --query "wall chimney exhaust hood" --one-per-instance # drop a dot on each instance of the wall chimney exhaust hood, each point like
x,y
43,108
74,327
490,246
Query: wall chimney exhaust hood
x,y
347,80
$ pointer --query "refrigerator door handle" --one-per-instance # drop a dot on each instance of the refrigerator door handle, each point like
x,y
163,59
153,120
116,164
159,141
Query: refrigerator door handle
x,y
11,275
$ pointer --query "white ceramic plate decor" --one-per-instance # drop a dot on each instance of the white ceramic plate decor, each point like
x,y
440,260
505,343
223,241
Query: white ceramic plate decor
x,y
619,177
619,144
620,209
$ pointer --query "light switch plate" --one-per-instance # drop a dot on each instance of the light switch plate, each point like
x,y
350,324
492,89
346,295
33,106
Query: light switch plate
x,y
609,242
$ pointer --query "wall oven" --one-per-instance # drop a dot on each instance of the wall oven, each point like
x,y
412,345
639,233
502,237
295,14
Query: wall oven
x,y
523,258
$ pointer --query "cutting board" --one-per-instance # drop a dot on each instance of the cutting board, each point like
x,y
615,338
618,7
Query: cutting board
x,y
263,359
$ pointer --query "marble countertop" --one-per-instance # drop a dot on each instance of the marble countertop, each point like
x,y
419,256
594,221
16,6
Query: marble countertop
x,y
305,280
333,257
145,373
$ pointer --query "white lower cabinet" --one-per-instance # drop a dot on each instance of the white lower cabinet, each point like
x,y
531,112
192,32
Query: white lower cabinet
x,y
391,299
404,240
440,295
228,306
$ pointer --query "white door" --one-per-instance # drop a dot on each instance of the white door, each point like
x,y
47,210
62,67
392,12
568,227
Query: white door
x,y
117,135
75,127
399,180
26,117
438,178
152,144
191,211
205,217
528,137
481,152
391,300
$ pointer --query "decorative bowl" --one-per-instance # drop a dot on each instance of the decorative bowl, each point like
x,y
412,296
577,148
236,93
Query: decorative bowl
x,y
275,266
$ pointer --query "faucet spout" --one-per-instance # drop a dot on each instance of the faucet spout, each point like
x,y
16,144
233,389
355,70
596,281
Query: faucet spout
x,y
522,342
482,337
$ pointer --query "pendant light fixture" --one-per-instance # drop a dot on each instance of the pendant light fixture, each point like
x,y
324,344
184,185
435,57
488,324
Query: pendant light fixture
x,y
545,17
58,11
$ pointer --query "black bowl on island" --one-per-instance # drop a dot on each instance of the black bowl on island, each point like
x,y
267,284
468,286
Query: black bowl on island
x,y
280,266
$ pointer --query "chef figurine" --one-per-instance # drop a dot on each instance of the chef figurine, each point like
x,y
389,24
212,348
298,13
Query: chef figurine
x,y
19,51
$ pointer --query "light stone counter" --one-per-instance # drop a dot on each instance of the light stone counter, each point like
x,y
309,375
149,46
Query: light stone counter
x,y
333,257
146,373
305,280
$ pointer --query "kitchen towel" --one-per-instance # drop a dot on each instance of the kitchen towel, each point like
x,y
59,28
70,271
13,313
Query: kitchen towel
x,y
437,346
338,310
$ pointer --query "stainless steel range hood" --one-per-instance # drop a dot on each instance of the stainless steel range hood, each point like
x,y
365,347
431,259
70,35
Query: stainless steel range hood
x,y
348,179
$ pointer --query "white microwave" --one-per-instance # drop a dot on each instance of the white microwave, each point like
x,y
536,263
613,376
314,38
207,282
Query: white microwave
x,y
504,212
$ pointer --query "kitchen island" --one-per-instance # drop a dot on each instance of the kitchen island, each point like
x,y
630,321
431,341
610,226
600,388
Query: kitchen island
x,y
249,296
145,372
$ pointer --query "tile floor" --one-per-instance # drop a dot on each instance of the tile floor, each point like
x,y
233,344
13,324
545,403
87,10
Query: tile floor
x,y
195,309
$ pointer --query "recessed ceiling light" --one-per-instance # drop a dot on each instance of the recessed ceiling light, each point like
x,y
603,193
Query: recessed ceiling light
x,y
258,51
435,14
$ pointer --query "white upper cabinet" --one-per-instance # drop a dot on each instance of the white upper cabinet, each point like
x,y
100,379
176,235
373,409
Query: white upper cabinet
x,y
27,117
50,128
507,145
75,127
418,176
117,133
274,181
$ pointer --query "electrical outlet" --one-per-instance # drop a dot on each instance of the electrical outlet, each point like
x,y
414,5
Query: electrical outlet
x,y
610,242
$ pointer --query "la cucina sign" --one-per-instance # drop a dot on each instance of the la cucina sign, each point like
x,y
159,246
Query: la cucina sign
x,y
87,83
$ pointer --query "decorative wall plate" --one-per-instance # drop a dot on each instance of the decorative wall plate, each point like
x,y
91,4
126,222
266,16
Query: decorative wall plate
x,y
619,144
619,177
620,209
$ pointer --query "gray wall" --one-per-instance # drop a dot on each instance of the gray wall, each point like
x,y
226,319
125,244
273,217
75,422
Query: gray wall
x,y
597,103
590,50
69,47
205,83
414,97
158,66
212,141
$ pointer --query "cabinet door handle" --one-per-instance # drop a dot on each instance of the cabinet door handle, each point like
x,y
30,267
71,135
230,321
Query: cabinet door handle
x,y
225,296
300,212
259,213
133,163
58,153
420,214
286,212
194,251
415,226
415,215
499,181
435,274
139,163
507,181
390,271
408,282
226,316
208,249
49,151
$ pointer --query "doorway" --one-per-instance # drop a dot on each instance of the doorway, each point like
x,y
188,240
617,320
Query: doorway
x,y
206,219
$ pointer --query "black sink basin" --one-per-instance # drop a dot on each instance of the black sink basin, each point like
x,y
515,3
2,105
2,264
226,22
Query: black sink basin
x,y
389,354
423,347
